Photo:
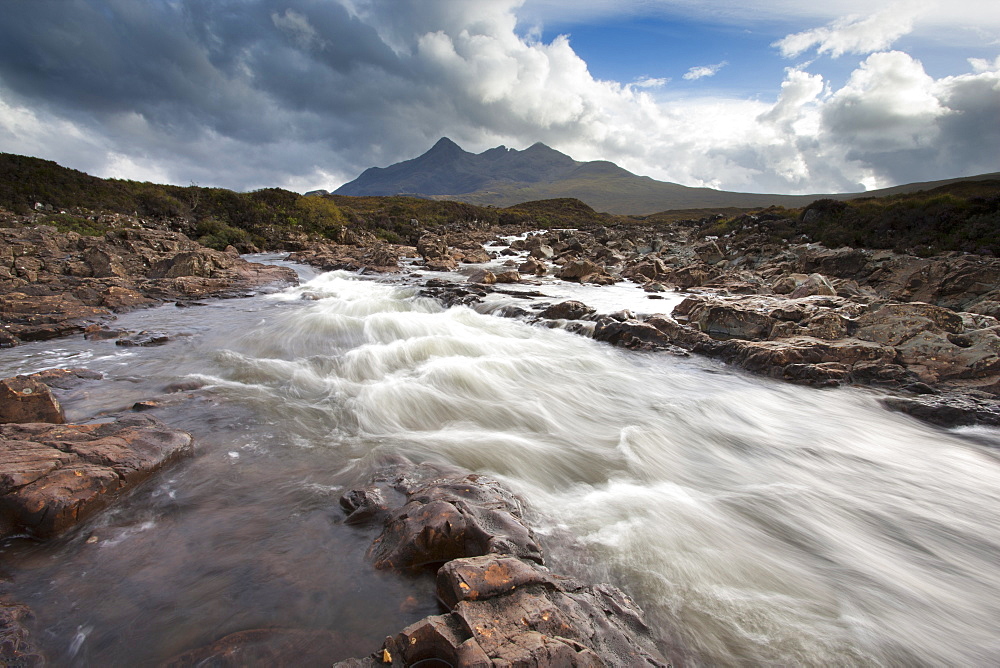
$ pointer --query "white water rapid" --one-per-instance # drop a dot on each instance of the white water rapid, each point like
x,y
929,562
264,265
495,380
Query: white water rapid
x,y
757,523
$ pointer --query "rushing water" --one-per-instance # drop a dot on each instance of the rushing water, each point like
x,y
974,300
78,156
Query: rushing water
x,y
757,523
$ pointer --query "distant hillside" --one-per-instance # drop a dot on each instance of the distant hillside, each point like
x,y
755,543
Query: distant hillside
x,y
504,177
69,200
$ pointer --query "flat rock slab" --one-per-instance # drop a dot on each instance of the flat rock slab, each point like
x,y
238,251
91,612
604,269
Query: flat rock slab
x,y
54,476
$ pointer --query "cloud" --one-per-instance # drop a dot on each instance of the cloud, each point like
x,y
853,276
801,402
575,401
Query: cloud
x,y
854,34
704,71
982,65
306,94
651,82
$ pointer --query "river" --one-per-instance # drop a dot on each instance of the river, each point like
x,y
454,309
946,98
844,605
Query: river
x,y
756,522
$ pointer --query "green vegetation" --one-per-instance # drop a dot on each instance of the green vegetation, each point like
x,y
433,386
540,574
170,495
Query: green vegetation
x,y
218,218
962,216
65,222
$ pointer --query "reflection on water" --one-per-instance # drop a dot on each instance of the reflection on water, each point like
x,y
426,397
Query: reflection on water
x,y
757,523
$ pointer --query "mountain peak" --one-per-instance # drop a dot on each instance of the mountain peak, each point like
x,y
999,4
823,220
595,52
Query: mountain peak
x,y
444,144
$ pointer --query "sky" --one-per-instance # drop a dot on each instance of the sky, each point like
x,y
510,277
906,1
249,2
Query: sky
x,y
784,96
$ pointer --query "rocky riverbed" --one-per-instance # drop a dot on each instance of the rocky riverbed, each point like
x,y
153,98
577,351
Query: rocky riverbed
x,y
922,331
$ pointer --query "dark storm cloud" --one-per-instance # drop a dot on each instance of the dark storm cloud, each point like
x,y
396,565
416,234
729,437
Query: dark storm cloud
x,y
254,73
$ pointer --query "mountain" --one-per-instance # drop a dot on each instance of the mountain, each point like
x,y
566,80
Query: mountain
x,y
503,177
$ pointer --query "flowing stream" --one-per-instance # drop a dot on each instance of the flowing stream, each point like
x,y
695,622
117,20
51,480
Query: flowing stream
x,y
757,523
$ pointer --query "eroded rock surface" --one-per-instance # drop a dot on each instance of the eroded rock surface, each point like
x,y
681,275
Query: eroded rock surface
x,y
54,476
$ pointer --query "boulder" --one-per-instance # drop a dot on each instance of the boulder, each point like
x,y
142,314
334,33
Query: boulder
x,y
204,263
508,277
54,476
582,271
731,320
446,515
567,310
483,276
542,252
24,399
532,266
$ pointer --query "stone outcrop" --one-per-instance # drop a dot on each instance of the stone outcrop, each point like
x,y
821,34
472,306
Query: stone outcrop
x,y
54,284
379,257
54,476
504,607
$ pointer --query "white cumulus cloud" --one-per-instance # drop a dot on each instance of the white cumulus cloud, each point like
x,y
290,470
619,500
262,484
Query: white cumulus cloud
x,y
854,34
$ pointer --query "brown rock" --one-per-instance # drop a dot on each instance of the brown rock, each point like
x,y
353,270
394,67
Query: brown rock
x,y
53,476
38,318
567,310
16,648
483,276
24,399
894,323
508,277
509,612
581,271
815,284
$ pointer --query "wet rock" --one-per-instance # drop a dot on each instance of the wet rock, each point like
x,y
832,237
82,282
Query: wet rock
x,y
144,340
24,399
632,334
54,476
505,607
38,318
508,612
568,310
953,409
65,379
288,648
448,515
16,648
